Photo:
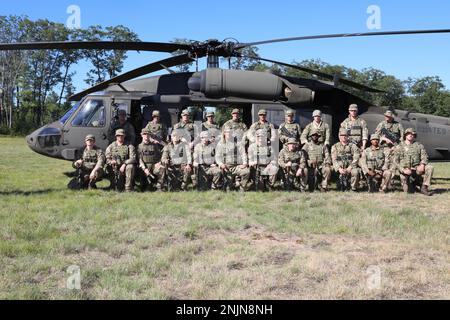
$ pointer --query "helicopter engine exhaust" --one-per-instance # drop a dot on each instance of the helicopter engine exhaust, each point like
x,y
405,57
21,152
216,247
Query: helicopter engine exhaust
x,y
219,83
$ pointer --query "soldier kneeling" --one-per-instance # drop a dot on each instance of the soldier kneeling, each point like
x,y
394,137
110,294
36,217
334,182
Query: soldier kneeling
x,y
319,162
294,167
149,155
345,157
89,166
375,164
206,171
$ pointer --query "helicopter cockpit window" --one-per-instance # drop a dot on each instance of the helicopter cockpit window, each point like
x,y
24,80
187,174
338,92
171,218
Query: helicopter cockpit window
x,y
91,114
69,113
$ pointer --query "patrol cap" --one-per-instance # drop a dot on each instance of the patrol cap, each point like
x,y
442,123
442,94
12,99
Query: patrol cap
x,y
210,114
374,137
292,141
262,112
389,113
410,131
204,134
145,131
122,111
89,137
317,113
290,112
235,111
313,132
353,106
120,132
155,113
343,132
185,112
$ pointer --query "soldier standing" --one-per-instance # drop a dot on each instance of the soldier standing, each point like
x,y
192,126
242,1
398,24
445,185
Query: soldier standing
x,y
411,159
91,163
319,162
289,128
345,157
389,130
157,130
356,128
149,156
206,171
263,162
319,126
262,124
188,128
375,166
122,123
177,161
237,127
294,166
232,161
212,128
120,160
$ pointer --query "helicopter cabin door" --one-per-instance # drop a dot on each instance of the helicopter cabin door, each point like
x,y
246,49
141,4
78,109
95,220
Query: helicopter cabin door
x,y
90,118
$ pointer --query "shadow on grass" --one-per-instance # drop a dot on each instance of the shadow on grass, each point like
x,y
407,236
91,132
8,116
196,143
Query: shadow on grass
x,y
27,193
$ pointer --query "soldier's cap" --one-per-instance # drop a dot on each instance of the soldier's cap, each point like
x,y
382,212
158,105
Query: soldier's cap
x,y
145,131
374,137
314,132
292,141
210,114
317,113
410,131
343,132
353,106
262,112
155,113
204,134
89,137
120,132
235,111
185,112
176,133
290,112
122,111
389,113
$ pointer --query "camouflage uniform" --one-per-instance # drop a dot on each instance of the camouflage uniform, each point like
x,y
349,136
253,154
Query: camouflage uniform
x,y
206,171
298,161
345,156
188,133
289,129
322,128
94,158
318,157
266,165
232,154
149,156
130,134
357,130
376,159
410,156
395,128
175,158
123,154
267,127
238,129
158,131
213,131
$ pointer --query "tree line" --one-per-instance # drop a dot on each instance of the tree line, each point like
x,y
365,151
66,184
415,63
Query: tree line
x,y
35,84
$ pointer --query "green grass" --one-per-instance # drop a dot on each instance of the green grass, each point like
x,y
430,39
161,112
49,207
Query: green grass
x,y
211,244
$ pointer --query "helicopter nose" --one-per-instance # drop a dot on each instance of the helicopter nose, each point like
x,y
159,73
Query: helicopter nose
x,y
32,141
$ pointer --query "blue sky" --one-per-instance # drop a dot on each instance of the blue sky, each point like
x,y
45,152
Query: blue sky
x,y
401,56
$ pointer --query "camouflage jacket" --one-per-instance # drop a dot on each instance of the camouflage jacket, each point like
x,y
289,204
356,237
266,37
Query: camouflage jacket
x,y
316,154
158,130
148,154
92,158
177,154
266,126
126,153
235,125
204,154
261,154
322,128
189,130
295,157
289,130
207,126
407,156
394,128
130,134
357,129
374,159
230,153
344,155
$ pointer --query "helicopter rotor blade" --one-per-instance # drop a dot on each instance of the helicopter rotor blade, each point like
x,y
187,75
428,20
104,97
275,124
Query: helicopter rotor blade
x,y
320,74
100,45
342,35
152,67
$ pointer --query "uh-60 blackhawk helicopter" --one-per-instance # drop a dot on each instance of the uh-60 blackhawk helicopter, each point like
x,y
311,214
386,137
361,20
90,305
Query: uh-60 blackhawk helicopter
x,y
250,90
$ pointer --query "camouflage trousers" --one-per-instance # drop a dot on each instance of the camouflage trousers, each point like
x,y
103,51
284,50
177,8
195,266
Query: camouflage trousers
x,y
85,181
125,180
294,182
324,172
382,180
176,176
154,180
206,177
354,177
423,179
235,177
267,178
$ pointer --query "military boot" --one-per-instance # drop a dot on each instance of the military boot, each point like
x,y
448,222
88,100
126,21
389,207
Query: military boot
x,y
424,190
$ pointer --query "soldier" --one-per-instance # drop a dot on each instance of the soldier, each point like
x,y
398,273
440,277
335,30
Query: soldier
x,y
122,123
212,128
206,171
356,128
262,160
91,163
411,159
294,166
375,166
188,126
120,160
157,130
149,156
389,130
237,127
345,157
321,127
262,124
289,128
232,161
177,161
319,162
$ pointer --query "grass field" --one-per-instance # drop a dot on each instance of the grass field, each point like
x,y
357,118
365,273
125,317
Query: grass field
x,y
213,245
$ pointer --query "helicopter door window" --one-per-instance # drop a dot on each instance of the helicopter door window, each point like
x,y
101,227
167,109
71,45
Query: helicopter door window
x,y
91,114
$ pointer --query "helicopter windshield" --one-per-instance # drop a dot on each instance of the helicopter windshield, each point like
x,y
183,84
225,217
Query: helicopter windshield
x,y
91,114
69,113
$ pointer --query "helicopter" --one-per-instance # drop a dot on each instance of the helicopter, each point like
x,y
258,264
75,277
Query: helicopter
x,y
97,107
